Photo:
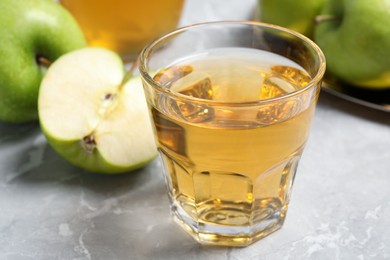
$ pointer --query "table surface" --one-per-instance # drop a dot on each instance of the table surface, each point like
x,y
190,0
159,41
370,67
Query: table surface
x,y
340,207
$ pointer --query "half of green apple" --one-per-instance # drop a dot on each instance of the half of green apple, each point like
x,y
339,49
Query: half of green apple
x,y
93,119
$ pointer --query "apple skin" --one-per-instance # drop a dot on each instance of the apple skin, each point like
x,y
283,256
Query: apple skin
x,y
297,15
356,41
31,29
93,163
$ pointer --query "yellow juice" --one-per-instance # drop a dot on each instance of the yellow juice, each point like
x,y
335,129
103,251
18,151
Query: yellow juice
x,y
124,26
231,168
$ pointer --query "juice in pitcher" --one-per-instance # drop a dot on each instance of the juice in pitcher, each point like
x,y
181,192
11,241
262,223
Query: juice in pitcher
x,y
124,26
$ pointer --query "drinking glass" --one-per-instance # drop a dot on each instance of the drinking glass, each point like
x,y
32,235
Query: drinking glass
x,y
231,103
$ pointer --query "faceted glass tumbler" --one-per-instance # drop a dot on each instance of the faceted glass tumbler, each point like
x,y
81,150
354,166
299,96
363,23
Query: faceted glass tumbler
x,y
229,164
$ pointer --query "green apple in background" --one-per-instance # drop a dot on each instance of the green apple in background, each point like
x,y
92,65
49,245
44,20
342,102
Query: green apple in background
x,y
297,15
355,38
92,116
33,33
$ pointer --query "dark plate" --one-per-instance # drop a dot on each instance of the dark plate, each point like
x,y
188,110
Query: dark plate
x,y
376,99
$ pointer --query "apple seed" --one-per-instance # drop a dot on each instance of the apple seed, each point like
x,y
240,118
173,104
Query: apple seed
x,y
109,101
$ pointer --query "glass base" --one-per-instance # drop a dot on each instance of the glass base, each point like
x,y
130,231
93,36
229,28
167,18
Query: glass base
x,y
208,233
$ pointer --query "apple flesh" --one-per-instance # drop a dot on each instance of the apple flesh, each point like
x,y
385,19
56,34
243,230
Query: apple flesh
x,y
31,31
93,119
355,38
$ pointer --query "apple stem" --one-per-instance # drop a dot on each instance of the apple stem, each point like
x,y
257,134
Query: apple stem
x,y
325,18
43,61
128,75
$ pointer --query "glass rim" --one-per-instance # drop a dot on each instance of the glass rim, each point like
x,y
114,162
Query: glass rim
x,y
142,64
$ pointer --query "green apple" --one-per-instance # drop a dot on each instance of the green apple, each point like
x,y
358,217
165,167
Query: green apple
x,y
93,117
33,33
297,15
355,38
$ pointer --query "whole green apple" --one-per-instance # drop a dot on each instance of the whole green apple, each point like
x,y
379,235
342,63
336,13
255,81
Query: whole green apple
x,y
33,33
297,15
355,38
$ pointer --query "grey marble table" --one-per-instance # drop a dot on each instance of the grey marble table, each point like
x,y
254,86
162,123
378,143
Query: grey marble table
x,y
340,206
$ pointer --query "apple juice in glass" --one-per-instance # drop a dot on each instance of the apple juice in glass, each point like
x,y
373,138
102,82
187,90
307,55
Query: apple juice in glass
x,y
124,26
231,114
